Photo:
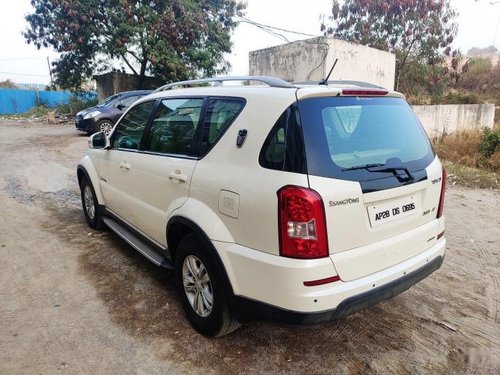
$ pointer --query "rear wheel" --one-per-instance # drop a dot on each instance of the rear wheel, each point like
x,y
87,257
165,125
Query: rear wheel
x,y
90,205
202,289
105,126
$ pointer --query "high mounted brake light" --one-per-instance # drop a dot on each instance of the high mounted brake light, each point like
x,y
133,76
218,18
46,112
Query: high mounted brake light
x,y
302,223
364,92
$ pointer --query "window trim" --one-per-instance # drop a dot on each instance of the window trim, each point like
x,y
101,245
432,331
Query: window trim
x,y
198,136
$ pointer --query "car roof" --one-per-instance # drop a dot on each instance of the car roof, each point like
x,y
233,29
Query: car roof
x,y
226,87
135,92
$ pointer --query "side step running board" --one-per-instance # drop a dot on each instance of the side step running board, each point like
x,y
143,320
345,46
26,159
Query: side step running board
x,y
138,244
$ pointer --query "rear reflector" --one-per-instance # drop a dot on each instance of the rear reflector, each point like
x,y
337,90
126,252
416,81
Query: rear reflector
x,y
322,281
302,224
440,235
441,198
364,92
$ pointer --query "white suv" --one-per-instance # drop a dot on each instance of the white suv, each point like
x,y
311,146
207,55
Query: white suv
x,y
294,202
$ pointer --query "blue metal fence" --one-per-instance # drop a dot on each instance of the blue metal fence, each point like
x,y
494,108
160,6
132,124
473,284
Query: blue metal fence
x,y
20,101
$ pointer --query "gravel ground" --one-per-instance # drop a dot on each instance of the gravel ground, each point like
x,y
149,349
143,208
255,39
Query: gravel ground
x,y
78,301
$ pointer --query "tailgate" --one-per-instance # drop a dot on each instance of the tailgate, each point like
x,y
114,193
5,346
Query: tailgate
x,y
370,232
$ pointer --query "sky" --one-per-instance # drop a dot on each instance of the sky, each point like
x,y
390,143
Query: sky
x,y
478,21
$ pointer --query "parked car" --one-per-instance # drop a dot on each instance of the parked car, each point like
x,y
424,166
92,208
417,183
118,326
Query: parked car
x,y
104,115
298,203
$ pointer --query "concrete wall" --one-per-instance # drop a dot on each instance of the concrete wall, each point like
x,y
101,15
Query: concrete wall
x,y
438,119
311,59
114,82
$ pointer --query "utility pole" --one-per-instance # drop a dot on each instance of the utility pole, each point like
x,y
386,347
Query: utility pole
x,y
50,72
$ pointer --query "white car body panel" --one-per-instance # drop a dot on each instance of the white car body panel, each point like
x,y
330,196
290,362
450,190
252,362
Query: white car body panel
x,y
156,192
233,200
279,281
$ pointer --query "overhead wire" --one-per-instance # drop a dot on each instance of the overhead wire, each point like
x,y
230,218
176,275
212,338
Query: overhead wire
x,y
23,58
271,30
25,74
247,20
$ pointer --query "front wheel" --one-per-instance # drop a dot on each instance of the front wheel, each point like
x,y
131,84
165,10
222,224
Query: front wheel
x,y
105,126
90,205
202,289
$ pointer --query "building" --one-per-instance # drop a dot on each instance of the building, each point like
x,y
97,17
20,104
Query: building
x,y
312,59
114,82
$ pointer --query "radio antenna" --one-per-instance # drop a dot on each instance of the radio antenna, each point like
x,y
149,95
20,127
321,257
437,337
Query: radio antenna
x,y
325,81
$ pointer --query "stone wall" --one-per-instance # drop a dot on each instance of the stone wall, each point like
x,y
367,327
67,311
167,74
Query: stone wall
x,y
312,59
439,119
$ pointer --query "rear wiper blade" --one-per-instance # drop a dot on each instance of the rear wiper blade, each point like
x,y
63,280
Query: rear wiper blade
x,y
394,170
364,166
378,167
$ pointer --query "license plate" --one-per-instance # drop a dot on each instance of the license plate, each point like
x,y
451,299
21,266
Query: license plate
x,y
394,210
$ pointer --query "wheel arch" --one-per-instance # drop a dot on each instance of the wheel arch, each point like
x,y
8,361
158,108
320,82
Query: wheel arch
x,y
86,170
106,119
179,227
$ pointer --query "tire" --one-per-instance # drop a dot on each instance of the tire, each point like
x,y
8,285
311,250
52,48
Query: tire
x,y
90,205
105,126
202,289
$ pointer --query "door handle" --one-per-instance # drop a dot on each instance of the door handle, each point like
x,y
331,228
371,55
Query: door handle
x,y
177,177
125,166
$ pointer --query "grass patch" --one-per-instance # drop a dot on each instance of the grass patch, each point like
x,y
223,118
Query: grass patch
x,y
471,158
39,111
461,147
462,175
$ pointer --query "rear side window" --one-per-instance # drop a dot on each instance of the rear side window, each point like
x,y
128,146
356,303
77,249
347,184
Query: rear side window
x,y
220,114
343,134
128,101
283,149
174,126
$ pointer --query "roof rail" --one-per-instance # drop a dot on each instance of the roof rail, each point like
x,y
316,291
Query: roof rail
x,y
271,81
342,82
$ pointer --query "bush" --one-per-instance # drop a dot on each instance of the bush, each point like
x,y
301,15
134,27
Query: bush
x,y
490,142
457,97
8,84
38,111
78,101
471,148
460,147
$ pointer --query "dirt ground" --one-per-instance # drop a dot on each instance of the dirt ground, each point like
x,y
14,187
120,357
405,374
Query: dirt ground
x,y
78,301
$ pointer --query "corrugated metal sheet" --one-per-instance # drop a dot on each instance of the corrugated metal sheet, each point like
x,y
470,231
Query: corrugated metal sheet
x,y
20,101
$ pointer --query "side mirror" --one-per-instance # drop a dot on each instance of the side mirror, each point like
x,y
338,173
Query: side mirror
x,y
99,141
121,106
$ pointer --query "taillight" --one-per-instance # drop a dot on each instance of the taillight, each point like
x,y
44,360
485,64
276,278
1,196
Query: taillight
x,y
441,198
302,223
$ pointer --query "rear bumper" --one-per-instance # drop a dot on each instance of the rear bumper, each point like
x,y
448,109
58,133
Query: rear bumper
x,y
277,283
248,310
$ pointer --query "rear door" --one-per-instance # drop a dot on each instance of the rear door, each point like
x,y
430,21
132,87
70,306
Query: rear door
x,y
164,167
371,162
182,130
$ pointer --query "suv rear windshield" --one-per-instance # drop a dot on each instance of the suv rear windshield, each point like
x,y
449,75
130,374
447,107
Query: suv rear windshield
x,y
345,137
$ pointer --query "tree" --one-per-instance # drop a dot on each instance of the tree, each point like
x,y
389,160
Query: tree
x,y
8,84
171,39
418,32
